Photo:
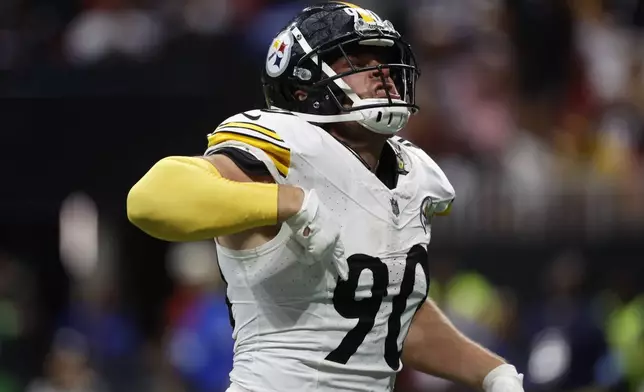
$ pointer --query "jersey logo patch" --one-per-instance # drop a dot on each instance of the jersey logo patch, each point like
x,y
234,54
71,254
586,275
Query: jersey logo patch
x,y
394,207
402,167
279,54
430,207
251,117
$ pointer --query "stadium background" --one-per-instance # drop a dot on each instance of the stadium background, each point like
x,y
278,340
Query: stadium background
x,y
532,107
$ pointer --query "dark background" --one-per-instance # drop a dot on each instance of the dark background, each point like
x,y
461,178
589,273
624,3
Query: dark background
x,y
533,109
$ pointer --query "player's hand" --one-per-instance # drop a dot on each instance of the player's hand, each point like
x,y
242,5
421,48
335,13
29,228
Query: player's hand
x,y
320,237
503,378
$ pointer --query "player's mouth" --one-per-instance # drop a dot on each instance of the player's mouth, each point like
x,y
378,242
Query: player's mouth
x,y
381,91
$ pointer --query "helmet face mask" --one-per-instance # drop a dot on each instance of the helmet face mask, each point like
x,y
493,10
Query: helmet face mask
x,y
396,59
317,38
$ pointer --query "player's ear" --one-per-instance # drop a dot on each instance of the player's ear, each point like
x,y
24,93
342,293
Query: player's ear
x,y
300,95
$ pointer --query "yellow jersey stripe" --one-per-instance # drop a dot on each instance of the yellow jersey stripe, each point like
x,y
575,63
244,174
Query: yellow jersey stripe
x,y
280,156
253,134
253,127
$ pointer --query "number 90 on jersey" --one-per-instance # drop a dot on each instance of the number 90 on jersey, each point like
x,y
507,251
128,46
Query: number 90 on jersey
x,y
365,310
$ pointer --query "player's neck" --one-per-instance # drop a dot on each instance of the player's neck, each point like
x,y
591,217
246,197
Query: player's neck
x,y
368,147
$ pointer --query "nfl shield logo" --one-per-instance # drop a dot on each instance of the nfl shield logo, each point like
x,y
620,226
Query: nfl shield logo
x,y
394,207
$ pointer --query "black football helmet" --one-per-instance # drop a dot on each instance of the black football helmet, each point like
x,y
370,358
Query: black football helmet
x,y
299,58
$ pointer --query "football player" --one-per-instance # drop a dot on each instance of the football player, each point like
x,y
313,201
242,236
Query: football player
x,y
322,217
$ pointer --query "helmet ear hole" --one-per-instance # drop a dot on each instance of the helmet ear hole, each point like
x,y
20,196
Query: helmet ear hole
x,y
314,100
300,95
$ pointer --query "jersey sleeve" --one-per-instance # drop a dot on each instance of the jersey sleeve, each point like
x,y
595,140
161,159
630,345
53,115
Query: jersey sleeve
x,y
254,138
244,160
439,186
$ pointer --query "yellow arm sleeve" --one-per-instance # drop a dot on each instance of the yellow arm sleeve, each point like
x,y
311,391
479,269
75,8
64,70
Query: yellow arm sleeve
x,y
187,199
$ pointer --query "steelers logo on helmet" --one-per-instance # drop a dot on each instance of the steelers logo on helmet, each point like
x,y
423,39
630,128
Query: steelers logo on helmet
x,y
279,54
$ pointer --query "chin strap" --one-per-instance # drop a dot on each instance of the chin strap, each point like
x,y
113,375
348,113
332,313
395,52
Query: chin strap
x,y
385,120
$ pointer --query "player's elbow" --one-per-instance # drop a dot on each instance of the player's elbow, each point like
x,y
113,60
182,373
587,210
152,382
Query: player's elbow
x,y
157,217
144,210
186,199
140,206
152,208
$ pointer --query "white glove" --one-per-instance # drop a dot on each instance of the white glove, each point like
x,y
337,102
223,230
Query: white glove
x,y
503,378
320,237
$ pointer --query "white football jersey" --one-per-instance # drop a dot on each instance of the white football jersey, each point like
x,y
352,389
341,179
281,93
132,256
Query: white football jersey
x,y
297,327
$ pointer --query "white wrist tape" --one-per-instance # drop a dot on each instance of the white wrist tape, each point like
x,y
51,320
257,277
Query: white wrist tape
x,y
306,214
505,370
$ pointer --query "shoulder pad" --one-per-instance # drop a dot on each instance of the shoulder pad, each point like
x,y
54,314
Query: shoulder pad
x,y
257,129
436,179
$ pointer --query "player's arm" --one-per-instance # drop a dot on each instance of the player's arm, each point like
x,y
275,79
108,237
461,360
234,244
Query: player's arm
x,y
434,346
197,198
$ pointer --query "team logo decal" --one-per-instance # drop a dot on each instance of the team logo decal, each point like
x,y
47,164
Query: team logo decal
x,y
430,207
394,206
279,54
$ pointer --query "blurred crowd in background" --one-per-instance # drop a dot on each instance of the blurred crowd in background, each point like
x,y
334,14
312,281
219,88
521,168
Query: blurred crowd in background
x,y
533,108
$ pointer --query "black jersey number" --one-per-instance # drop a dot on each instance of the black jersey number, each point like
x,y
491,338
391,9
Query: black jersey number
x,y
365,310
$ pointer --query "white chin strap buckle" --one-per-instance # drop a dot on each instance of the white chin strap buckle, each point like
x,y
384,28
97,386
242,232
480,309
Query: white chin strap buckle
x,y
385,120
